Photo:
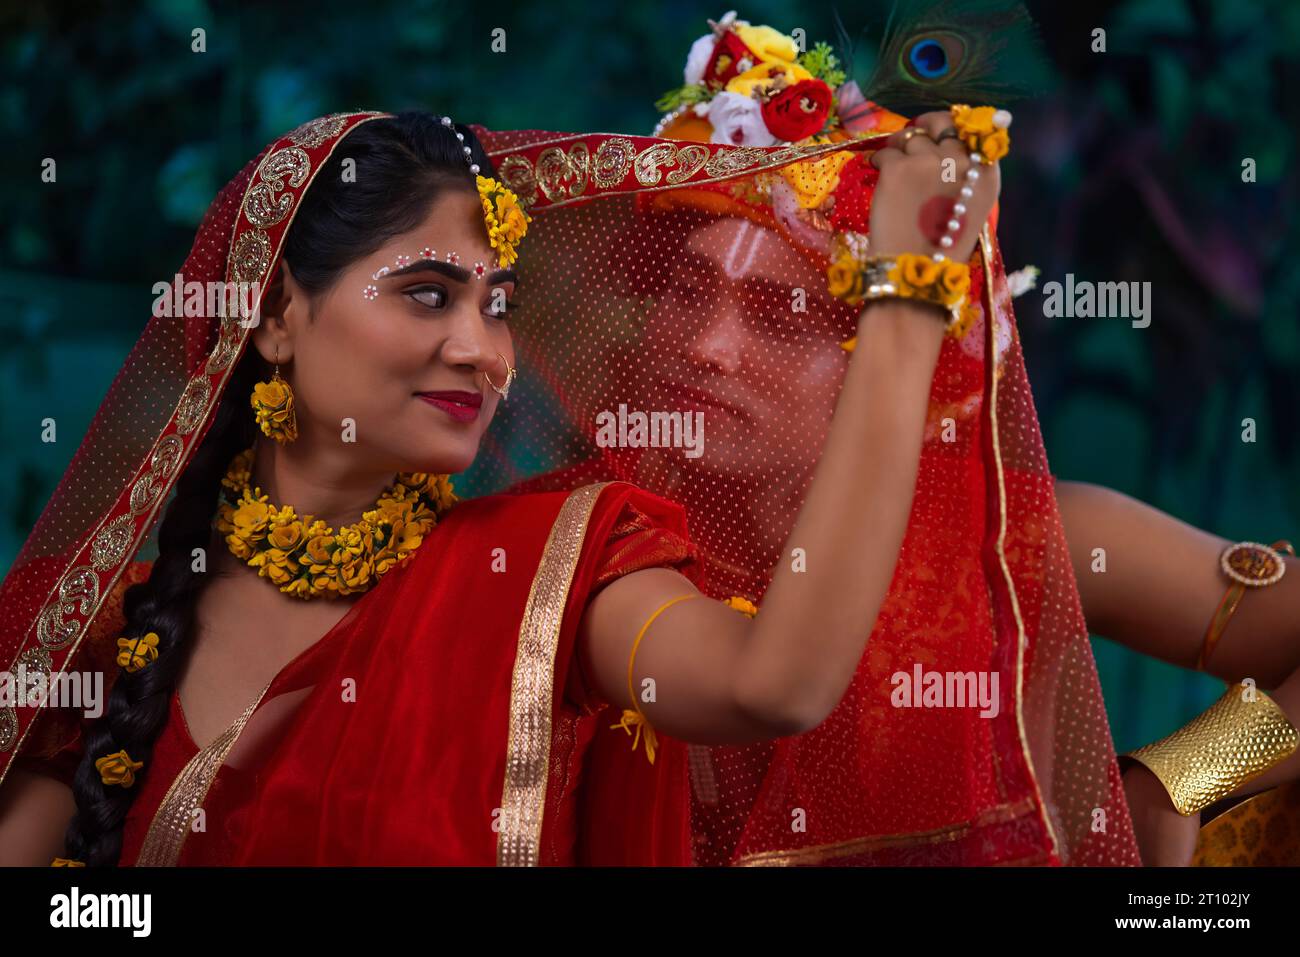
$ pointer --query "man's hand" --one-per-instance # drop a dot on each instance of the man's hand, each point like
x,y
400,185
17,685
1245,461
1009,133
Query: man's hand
x,y
921,179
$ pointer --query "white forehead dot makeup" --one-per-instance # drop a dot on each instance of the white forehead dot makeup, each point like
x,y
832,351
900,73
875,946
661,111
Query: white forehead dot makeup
x,y
478,271
729,265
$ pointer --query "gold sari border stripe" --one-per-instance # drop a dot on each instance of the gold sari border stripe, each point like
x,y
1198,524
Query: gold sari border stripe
x,y
991,360
819,853
532,686
174,818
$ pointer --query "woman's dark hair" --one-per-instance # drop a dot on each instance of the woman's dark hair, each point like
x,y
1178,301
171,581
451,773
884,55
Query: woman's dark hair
x,y
402,165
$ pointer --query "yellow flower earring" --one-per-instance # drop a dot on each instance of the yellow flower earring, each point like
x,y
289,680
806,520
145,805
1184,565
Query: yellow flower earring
x,y
273,403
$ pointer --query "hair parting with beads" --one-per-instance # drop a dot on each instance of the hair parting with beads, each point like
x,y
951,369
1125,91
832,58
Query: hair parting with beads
x,y
404,163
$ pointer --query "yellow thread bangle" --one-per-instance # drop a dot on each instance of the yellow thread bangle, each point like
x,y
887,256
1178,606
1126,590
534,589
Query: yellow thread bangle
x,y
633,717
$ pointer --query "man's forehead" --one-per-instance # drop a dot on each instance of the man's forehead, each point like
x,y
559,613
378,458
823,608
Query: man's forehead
x,y
739,248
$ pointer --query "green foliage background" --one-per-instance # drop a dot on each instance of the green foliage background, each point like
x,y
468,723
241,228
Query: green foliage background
x,y
1127,168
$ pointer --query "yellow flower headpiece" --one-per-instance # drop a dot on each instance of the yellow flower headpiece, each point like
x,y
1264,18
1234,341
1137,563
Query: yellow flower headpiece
x,y
505,217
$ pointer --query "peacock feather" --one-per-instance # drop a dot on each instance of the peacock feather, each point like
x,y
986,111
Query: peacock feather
x,y
934,53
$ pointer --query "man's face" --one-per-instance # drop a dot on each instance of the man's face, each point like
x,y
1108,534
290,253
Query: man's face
x,y
746,333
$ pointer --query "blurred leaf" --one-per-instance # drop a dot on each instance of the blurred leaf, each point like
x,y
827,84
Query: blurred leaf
x,y
1174,94
1136,22
26,244
182,16
186,184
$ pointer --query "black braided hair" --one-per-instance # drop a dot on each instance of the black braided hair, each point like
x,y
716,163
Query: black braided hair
x,y
403,164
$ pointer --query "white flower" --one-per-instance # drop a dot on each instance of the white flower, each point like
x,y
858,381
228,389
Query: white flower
x,y
738,120
1023,280
698,58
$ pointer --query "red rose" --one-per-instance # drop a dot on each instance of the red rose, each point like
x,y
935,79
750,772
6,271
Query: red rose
x,y
798,111
724,65
852,208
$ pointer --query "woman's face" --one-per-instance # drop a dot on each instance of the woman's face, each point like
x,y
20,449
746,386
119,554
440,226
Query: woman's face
x,y
401,322
746,333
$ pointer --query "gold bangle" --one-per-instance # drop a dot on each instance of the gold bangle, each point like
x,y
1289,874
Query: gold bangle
x,y
633,718
1247,565
1228,744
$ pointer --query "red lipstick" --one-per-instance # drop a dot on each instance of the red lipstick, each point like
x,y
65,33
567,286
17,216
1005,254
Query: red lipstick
x,y
460,405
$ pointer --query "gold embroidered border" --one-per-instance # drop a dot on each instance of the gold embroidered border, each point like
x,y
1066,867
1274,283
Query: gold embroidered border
x,y
820,853
132,540
991,360
532,688
174,819
566,177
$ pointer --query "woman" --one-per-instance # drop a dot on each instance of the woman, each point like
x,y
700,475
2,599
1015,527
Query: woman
x,y
234,733
714,299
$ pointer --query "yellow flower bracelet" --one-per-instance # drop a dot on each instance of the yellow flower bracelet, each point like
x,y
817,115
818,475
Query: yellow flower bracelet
x,y
933,279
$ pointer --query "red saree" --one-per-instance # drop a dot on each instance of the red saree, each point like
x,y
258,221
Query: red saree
x,y
450,691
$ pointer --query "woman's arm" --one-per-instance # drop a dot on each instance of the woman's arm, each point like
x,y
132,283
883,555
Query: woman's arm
x,y
34,814
720,677
1162,585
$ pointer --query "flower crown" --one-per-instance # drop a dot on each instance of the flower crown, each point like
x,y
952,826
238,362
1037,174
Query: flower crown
x,y
753,86
756,86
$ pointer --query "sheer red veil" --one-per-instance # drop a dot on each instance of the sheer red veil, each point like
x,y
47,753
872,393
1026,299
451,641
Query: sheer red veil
x,y
618,317
616,313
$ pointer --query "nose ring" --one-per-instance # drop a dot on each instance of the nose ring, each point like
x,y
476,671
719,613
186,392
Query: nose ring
x,y
504,390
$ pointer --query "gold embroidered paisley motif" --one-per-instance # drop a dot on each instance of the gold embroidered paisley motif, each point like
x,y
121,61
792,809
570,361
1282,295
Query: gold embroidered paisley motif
x,y
563,175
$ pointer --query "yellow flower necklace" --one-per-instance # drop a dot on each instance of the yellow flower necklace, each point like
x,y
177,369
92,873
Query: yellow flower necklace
x,y
305,557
